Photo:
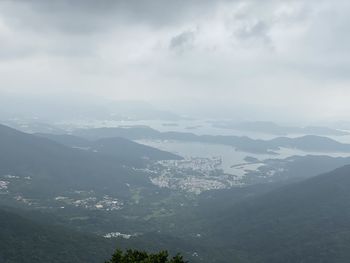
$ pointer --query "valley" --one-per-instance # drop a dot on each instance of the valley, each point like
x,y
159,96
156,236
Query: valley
x,y
168,183
182,131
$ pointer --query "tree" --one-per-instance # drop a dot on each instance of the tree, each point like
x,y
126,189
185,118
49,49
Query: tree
x,y
135,256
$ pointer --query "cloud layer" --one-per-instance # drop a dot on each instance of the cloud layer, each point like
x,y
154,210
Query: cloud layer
x,y
279,58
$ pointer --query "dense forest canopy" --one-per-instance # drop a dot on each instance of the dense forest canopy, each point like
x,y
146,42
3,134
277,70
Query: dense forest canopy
x,y
136,256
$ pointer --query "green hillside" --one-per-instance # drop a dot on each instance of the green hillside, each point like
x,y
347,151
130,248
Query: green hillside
x,y
303,222
24,240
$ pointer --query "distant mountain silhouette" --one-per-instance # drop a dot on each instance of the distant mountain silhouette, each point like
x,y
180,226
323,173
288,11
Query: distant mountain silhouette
x,y
268,127
121,148
307,143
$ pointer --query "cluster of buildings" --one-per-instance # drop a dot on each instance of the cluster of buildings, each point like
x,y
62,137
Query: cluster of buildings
x,y
193,175
203,165
6,179
106,203
4,186
117,235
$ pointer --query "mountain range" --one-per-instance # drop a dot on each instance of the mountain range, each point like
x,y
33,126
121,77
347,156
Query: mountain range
x,y
303,220
241,143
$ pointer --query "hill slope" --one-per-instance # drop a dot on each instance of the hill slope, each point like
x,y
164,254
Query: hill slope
x,y
304,222
40,169
51,164
122,149
23,240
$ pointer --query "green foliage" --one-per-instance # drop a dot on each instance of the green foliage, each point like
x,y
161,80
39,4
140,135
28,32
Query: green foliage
x,y
136,256
23,240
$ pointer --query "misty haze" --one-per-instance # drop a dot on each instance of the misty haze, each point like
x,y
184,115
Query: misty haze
x,y
175,131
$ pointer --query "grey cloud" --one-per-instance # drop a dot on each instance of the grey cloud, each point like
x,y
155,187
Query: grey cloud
x,y
332,28
124,49
258,31
182,41
89,16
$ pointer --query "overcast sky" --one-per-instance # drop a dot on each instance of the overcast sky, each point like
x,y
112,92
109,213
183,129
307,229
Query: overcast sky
x,y
278,58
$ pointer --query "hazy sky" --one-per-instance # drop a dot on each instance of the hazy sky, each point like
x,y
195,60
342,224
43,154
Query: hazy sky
x,y
279,58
